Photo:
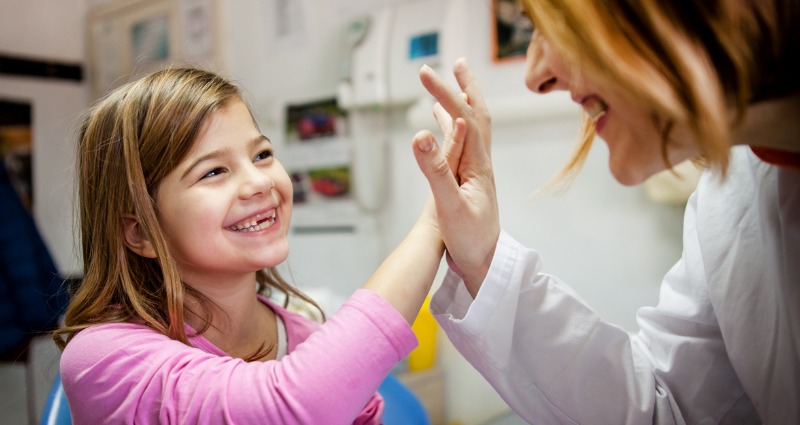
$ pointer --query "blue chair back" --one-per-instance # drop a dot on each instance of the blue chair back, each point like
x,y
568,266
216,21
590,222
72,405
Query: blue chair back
x,y
400,405
56,409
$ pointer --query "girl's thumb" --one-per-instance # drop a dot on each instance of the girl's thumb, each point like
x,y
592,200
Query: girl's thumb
x,y
432,163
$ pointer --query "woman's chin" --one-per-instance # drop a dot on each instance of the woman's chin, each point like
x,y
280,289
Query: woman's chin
x,y
629,176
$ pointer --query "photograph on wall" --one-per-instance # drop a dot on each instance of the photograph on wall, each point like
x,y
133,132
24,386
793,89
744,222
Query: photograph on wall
x,y
313,120
287,22
198,32
319,184
512,30
150,40
108,66
128,39
317,151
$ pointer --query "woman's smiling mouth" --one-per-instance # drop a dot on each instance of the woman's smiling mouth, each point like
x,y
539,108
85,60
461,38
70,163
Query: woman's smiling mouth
x,y
595,107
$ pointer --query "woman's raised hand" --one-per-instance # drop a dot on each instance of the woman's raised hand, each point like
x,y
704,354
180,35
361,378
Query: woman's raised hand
x,y
460,175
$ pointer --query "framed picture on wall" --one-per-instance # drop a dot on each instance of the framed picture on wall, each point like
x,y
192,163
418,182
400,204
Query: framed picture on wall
x,y
129,38
512,30
198,35
317,152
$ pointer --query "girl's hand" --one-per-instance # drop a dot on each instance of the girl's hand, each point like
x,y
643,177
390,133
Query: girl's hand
x,y
465,198
453,132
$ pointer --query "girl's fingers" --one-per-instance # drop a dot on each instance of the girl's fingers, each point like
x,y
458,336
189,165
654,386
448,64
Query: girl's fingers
x,y
454,149
431,160
454,133
444,120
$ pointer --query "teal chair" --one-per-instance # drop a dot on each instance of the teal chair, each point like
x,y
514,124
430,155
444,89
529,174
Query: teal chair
x,y
56,409
400,405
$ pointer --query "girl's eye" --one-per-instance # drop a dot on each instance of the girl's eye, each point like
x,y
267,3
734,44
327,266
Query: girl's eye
x,y
212,173
266,154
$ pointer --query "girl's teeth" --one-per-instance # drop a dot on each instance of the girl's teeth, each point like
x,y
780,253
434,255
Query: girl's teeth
x,y
254,226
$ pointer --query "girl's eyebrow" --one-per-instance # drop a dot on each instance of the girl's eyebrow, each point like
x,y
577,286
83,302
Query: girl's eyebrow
x,y
218,153
206,157
260,139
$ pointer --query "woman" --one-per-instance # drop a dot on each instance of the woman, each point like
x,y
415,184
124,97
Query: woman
x,y
661,82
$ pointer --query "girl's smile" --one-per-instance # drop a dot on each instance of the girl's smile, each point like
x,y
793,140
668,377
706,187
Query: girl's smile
x,y
260,221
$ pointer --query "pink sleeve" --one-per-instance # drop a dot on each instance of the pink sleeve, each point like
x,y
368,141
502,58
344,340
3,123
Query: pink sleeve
x,y
128,373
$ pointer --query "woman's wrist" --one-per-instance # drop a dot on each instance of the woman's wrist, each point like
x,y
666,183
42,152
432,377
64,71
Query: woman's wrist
x,y
475,280
475,274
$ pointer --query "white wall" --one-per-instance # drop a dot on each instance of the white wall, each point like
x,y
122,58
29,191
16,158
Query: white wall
x,y
49,30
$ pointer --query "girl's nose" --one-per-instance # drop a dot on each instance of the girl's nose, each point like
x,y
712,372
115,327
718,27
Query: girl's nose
x,y
255,181
542,67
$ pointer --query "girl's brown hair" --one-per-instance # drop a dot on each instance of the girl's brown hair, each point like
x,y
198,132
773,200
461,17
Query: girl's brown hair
x,y
127,144
690,62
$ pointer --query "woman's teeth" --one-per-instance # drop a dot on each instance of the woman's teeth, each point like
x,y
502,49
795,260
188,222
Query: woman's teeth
x,y
254,225
595,107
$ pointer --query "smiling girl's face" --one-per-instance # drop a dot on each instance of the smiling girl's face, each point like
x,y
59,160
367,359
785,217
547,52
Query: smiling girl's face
x,y
225,209
633,137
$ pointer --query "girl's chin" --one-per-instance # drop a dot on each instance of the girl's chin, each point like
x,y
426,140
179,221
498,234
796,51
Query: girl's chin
x,y
274,260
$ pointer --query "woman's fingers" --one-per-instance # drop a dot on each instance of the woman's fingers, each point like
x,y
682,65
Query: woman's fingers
x,y
468,84
450,99
466,206
443,119
467,104
472,92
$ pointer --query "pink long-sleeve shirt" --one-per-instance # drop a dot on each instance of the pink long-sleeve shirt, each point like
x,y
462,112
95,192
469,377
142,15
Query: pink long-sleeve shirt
x,y
127,373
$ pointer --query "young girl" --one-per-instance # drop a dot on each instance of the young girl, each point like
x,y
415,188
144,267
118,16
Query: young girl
x,y
184,213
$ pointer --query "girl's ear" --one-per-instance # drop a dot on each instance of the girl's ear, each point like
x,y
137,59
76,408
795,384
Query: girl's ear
x,y
135,239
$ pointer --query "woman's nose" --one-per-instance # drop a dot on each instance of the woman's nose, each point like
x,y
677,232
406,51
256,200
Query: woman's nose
x,y
542,67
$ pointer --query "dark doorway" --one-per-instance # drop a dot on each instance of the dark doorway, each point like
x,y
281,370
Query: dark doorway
x,y
16,142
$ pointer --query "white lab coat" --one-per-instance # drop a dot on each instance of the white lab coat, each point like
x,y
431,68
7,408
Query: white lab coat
x,y
721,347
